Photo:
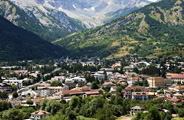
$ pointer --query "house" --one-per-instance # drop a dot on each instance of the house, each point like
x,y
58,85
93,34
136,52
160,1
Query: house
x,y
18,83
107,69
129,68
93,93
5,87
70,83
39,115
67,94
136,109
142,96
178,78
20,72
116,66
113,89
99,75
132,80
155,82
127,92
58,78
80,80
108,84
48,91
179,89
83,92
28,92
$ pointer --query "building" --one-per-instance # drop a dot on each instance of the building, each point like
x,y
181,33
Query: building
x,y
178,78
18,83
108,84
70,83
142,96
5,87
113,89
127,92
48,91
155,82
136,109
39,115
80,80
132,80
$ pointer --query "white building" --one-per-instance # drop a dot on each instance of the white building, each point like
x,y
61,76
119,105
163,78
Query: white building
x,y
49,91
18,83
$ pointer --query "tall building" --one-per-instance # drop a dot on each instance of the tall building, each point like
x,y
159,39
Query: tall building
x,y
156,82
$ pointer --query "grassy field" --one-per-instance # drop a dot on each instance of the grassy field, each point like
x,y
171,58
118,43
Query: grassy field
x,y
124,118
85,118
178,118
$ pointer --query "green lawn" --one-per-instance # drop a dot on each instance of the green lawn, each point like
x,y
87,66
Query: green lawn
x,y
178,118
124,118
85,118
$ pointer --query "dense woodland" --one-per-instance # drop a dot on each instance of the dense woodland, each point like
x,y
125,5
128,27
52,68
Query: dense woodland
x,y
19,44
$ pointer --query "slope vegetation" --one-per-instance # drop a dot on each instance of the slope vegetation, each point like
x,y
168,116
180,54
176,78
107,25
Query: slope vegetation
x,y
156,29
19,44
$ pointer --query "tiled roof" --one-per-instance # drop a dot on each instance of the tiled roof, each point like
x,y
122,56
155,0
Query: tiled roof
x,y
179,87
137,108
69,92
178,76
175,100
40,112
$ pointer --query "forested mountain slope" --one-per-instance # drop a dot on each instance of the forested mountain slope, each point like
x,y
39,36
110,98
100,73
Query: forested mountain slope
x,y
19,44
153,30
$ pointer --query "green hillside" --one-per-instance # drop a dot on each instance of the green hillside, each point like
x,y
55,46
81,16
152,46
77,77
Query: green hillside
x,y
156,29
18,44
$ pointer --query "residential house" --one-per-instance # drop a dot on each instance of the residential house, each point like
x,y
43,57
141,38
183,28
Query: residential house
x,y
113,89
132,80
39,115
142,96
18,83
127,92
178,78
70,83
49,91
108,84
116,66
136,109
5,87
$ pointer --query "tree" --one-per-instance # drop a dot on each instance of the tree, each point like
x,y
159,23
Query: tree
x,y
74,102
29,101
14,87
181,112
56,83
94,85
3,95
153,113
15,94
13,114
105,75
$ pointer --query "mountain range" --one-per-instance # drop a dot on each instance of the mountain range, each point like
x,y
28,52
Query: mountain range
x,y
154,30
91,12
19,44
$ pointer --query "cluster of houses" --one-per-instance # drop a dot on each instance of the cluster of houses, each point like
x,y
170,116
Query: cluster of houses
x,y
77,85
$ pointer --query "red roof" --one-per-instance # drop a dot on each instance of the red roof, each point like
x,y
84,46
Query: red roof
x,y
179,76
175,100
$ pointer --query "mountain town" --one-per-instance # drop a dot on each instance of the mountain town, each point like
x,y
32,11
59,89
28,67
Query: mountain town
x,y
91,59
92,87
